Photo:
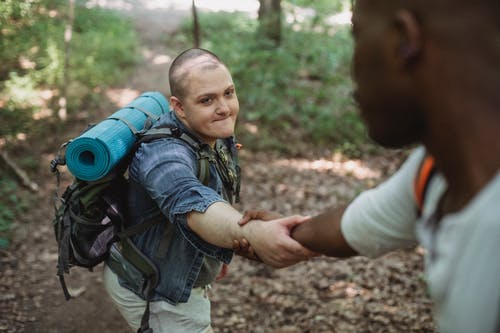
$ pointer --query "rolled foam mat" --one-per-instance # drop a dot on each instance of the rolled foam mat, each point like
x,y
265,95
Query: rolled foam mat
x,y
97,151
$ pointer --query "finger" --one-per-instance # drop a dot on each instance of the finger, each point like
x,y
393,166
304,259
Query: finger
x,y
248,215
251,251
236,245
244,243
244,220
293,220
267,216
304,219
295,252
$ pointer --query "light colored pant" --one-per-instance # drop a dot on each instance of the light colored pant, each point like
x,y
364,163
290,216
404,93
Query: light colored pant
x,y
190,317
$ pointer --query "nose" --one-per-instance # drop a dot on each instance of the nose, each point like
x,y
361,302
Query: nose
x,y
222,107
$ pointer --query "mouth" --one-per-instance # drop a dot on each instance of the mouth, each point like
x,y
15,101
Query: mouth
x,y
222,118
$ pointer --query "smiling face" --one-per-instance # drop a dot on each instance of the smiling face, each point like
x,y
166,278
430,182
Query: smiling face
x,y
209,105
384,75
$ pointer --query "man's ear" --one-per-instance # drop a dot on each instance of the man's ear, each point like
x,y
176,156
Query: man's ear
x,y
177,106
410,42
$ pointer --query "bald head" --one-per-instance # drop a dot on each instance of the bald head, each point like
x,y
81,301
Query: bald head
x,y
184,64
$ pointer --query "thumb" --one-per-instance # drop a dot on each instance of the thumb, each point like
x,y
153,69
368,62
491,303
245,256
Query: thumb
x,y
292,221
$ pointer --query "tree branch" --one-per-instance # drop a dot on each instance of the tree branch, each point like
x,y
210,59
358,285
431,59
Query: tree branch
x,y
21,174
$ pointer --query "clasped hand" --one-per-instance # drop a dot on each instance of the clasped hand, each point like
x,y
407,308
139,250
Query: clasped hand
x,y
270,241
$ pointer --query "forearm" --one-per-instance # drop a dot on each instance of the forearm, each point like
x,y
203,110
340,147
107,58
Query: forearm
x,y
323,234
271,240
218,225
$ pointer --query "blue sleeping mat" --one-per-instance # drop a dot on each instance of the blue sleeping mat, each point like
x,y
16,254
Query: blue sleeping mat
x,y
93,154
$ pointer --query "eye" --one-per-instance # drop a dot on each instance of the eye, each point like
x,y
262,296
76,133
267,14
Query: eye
x,y
206,100
229,92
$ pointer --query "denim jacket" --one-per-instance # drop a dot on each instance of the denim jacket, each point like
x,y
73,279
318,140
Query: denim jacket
x,y
164,184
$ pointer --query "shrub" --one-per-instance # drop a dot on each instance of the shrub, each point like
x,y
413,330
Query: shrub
x,y
10,204
32,56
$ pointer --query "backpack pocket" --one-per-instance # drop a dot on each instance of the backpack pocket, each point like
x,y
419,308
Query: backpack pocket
x,y
91,239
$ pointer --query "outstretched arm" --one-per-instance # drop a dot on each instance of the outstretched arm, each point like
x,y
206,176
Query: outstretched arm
x,y
323,234
271,241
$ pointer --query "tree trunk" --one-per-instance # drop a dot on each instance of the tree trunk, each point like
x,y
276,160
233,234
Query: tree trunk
x,y
196,26
68,34
270,20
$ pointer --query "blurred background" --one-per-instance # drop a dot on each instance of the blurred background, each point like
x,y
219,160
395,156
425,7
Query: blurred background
x,y
67,63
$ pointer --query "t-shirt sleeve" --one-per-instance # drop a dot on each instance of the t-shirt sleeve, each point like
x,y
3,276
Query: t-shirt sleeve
x,y
383,219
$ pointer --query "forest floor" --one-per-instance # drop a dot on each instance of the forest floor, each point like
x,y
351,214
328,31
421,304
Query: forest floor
x,y
357,295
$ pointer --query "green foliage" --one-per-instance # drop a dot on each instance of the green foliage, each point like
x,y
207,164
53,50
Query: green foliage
x,y
104,48
32,56
320,7
300,91
10,205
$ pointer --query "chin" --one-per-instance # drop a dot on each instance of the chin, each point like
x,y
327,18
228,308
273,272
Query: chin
x,y
226,135
393,140
224,132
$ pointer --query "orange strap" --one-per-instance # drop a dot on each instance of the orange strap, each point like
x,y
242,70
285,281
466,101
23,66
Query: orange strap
x,y
422,180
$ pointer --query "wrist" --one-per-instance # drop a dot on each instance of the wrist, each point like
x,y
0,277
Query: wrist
x,y
248,231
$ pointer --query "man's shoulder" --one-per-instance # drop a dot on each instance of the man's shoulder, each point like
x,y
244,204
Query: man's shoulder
x,y
162,151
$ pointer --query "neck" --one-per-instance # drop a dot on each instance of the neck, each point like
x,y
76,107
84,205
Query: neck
x,y
462,116
467,153
187,127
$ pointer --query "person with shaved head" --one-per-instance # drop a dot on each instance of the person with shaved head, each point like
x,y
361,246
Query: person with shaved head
x,y
427,76
197,222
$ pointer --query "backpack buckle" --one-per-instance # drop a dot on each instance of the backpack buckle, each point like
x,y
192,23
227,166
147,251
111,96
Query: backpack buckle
x,y
176,132
55,162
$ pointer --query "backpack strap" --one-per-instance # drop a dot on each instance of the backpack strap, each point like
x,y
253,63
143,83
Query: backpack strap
x,y
150,118
132,128
422,179
148,114
171,131
228,168
144,264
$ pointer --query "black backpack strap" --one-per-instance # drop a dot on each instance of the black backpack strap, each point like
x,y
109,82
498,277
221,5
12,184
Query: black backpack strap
x,y
137,228
141,262
63,263
144,328
203,156
63,230
204,159
60,159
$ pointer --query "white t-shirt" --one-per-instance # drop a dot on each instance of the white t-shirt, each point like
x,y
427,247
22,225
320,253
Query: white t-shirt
x,y
463,252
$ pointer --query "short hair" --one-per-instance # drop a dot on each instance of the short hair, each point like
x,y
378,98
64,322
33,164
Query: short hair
x,y
175,74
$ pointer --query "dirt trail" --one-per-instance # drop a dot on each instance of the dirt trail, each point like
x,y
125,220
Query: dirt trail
x,y
323,295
